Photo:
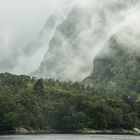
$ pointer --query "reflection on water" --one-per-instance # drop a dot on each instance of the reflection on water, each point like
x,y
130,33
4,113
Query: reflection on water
x,y
68,137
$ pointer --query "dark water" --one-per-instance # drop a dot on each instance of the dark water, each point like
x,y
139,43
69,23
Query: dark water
x,y
68,137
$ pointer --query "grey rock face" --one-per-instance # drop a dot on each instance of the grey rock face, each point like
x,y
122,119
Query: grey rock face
x,y
80,37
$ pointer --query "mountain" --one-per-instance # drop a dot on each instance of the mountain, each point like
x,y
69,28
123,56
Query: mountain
x,y
116,68
80,37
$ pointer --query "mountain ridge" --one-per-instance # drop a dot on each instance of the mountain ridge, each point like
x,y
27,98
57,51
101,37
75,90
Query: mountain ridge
x,y
80,37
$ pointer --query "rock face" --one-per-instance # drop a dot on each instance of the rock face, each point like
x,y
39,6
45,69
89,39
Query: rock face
x,y
23,131
64,58
81,36
118,72
116,68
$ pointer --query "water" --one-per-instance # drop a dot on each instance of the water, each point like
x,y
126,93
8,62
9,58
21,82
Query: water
x,y
68,137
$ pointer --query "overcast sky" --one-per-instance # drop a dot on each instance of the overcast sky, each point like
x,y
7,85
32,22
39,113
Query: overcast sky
x,y
25,17
20,23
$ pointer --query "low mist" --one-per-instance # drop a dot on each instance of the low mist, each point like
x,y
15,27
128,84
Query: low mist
x,y
84,33
21,22
61,40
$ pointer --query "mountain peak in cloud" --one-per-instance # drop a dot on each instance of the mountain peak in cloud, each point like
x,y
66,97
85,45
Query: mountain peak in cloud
x,y
79,38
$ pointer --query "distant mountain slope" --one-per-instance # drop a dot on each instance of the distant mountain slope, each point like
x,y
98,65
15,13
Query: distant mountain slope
x,y
79,38
116,72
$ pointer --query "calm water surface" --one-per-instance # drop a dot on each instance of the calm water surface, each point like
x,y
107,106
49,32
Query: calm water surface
x,y
68,137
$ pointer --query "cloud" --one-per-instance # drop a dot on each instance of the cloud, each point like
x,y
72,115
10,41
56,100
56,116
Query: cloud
x,y
23,47
87,29
20,23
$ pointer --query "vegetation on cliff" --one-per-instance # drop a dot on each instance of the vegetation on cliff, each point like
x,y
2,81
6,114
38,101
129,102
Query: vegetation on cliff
x,y
50,104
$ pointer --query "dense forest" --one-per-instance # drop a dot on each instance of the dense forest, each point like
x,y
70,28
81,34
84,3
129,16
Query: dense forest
x,y
49,104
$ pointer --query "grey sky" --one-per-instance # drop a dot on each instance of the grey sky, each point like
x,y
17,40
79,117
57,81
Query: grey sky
x,y
20,22
25,16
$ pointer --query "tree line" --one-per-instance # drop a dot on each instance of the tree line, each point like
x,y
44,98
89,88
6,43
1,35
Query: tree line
x,y
49,104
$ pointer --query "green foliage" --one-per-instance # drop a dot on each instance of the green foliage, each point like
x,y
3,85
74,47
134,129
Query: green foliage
x,y
39,87
65,106
118,71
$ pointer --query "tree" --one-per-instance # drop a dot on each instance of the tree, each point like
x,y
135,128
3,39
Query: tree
x,y
39,88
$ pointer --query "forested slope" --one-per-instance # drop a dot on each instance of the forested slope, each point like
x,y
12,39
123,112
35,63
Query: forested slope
x,y
53,105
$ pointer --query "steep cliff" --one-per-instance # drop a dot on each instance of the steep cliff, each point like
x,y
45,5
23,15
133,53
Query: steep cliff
x,y
79,38
118,71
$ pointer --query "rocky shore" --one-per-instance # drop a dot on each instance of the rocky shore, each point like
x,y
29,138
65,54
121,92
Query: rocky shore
x,y
21,130
135,131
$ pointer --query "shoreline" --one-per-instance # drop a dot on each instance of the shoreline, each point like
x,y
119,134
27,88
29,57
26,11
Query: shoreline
x,y
112,132
24,131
